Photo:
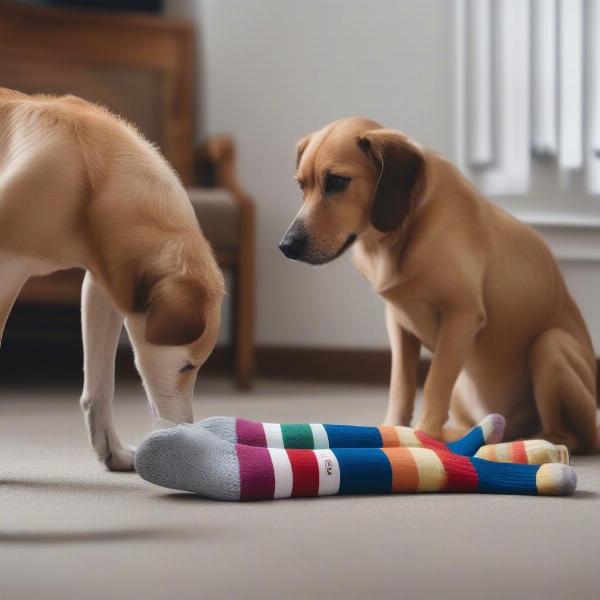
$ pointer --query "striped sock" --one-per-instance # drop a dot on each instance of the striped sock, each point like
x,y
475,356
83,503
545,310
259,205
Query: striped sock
x,y
315,436
532,452
193,459
489,431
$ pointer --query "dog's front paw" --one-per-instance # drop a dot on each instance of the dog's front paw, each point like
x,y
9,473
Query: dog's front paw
x,y
119,458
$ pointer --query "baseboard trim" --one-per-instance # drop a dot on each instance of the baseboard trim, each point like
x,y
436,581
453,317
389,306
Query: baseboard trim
x,y
26,362
345,365
324,364
48,359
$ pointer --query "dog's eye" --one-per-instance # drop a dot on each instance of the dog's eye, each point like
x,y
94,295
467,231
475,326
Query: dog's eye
x,y
188,367
300,184
336,183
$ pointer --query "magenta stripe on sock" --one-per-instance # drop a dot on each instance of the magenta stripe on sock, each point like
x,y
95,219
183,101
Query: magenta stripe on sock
x,y
250,433
257,477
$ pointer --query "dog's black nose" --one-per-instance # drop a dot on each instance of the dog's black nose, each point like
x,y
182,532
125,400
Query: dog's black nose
x,y
293,246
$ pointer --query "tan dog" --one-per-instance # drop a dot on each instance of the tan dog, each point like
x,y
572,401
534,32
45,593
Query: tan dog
x,y
458,275
80,188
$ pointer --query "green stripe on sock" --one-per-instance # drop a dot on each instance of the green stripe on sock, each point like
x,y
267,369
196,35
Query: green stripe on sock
x,y
297,436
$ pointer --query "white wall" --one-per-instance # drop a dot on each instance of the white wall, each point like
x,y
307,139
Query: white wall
x,y
273,70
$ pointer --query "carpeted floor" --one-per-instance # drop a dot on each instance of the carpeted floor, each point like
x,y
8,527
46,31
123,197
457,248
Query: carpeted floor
x,y
69,529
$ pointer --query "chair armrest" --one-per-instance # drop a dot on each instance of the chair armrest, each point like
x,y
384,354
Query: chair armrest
x,y
215,166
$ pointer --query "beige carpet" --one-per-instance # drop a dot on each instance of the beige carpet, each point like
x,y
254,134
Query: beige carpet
x,y
69,529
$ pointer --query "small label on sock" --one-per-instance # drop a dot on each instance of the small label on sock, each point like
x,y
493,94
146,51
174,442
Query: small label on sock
x,y
329,472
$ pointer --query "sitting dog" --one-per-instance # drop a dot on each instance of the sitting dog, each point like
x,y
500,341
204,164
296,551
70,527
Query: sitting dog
x,y
459,276
81,188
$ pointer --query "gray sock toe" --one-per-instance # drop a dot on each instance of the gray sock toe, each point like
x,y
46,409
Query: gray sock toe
x,y
223,427
190,459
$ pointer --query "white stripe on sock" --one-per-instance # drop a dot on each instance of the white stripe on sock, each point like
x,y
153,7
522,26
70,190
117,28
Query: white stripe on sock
x,y
329,472
432,475
407,438
320,438
284,479
487,426
273,435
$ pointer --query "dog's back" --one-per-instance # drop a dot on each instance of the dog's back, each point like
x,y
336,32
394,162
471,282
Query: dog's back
x,y
42,179
81,187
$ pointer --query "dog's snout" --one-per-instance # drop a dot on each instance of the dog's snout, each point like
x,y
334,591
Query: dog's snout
x,y
293,244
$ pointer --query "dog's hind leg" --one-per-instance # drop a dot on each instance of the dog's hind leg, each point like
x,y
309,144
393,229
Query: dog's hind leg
x,y
101,328
564,385
12,278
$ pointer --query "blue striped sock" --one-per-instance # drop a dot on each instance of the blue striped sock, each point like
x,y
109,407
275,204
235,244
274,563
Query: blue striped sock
x,y
489,431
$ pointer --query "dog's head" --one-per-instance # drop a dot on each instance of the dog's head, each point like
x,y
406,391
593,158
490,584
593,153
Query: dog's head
x,y
173,331
356,178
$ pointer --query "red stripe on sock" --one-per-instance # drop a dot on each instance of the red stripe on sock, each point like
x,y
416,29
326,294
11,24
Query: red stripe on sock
x,y
305,471
519,454
429,442
460,473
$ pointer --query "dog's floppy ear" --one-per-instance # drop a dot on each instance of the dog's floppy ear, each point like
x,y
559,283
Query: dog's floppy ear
x,y
400,165
176,311
300,148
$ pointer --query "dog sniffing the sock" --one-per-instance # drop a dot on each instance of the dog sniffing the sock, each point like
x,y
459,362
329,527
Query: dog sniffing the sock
x,y
191,458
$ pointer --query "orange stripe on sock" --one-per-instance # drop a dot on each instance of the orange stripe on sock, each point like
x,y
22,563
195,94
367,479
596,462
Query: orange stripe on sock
x,y
389,437
405,475
519,453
